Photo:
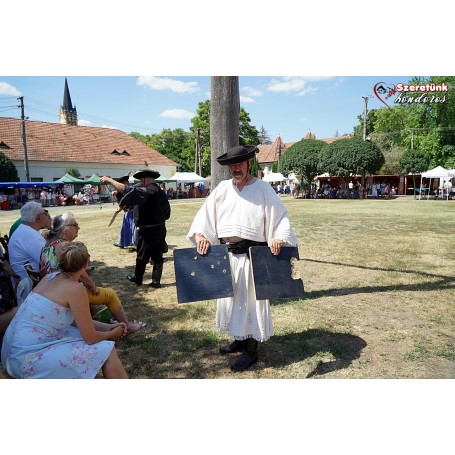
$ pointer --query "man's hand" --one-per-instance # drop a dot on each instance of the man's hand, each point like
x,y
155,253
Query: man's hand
x,y
202,244
275,246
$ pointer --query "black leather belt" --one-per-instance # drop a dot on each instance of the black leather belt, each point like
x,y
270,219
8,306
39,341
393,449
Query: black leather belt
x,y
143,226
241,247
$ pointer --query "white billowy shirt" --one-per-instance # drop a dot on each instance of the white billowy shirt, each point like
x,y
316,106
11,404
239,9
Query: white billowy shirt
x,y
255,213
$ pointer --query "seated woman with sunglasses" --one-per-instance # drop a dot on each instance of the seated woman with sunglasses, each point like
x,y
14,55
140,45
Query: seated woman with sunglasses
x,y
65,229
41,341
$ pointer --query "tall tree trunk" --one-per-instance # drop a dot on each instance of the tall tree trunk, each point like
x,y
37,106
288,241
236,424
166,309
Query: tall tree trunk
x,y
224,122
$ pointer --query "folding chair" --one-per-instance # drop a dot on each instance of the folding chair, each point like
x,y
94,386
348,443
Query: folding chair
x,y
4,243
33,274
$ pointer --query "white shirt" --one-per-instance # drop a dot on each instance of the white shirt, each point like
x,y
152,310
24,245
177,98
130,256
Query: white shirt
x,y
25,245
255,213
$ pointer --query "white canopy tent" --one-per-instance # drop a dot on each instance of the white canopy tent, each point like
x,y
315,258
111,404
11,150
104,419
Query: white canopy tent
x,y
274,177
184,177
437,173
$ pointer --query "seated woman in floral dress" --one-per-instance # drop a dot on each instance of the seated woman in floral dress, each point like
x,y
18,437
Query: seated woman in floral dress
x,y
41,340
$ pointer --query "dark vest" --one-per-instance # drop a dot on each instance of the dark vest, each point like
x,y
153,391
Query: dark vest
x,y
149,212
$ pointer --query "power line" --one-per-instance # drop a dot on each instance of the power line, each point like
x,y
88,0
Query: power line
x,y
42,107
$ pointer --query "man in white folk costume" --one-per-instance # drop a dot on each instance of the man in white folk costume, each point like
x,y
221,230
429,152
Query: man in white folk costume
x,y
242,212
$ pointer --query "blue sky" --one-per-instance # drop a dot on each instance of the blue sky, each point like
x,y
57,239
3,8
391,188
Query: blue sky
x,y
288,106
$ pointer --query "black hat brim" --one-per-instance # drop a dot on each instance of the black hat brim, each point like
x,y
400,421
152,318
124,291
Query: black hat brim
x,y
225,159
147,173
122,179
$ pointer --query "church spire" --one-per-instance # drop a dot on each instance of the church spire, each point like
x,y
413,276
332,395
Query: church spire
x,y
68,113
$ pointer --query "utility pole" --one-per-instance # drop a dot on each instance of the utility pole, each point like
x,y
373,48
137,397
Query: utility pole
x,y
365,117
197,161
23,139
279,157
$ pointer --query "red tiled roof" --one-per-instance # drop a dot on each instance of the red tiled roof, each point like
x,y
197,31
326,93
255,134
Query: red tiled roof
x,y
269,153
83,144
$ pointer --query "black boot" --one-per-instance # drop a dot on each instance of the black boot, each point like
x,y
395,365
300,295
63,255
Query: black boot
x,y
138,273
235,346
249,356
156,275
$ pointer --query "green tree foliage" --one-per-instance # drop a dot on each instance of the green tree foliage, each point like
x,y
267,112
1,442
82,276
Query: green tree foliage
x,y
254,169
302,158
414,162
248,134
8,172
353,156
74,172
176,145
448,156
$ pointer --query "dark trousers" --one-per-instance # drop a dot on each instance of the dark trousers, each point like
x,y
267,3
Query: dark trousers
x,y
150,245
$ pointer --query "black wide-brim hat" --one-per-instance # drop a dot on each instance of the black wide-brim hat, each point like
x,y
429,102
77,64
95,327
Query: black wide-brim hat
x,y
146,173
238,154
122,179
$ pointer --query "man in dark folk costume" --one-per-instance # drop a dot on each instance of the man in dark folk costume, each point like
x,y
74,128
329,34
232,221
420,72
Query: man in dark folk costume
x,y
151,210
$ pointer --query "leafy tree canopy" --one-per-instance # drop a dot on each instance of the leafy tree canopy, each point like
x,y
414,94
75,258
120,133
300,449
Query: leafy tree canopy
x,y
302,158
351,156
176,145
74,172
414,162
8,172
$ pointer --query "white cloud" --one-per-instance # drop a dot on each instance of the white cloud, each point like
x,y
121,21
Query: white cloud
x,y
84,122
298,85
246,99
308,90
165,83
250,91
8,89
177,113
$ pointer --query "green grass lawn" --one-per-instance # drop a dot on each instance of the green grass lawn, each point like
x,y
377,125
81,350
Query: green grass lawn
x,y
379,295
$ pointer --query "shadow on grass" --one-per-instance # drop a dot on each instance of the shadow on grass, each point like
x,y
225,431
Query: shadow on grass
x,y
284,350
443,282
195,355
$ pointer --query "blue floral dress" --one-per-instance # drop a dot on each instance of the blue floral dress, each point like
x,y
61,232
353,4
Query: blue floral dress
x,y
40,342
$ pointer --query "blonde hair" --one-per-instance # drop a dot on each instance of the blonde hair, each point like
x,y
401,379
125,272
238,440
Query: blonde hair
x,y
73,257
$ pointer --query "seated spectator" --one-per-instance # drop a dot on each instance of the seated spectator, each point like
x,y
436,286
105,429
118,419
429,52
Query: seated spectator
x,y
41,341
65,229
43,231
25,243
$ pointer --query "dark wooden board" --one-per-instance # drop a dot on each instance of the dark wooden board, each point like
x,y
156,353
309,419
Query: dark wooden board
x,y
272,275
202,277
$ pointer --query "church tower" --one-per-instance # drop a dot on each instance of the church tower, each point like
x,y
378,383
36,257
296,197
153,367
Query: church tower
x,y
68,113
